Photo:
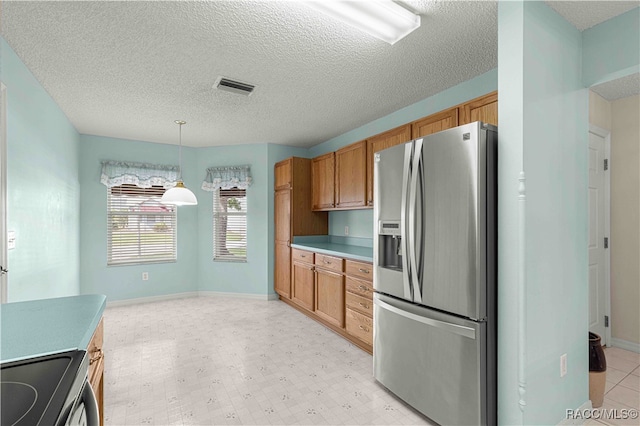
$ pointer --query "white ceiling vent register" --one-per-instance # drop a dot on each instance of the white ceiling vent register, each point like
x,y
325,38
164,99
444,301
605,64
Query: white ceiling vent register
x,y
233,86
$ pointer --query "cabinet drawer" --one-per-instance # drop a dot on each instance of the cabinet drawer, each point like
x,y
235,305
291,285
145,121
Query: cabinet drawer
x,y
302,256
361,304
329,262
359,287
360,326
359,269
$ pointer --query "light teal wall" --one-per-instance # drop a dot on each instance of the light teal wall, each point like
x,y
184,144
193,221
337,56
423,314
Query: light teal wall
x,y
125,282
360,222
548,122
235,277
43,191
612,49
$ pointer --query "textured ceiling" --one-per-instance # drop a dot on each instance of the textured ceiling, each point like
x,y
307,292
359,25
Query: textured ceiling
x,y
586,14
128,69
620,88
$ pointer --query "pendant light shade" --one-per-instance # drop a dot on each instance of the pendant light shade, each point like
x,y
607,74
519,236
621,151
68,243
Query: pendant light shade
x,y
179,195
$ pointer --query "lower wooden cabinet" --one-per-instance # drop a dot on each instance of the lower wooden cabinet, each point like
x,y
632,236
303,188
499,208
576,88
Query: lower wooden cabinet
x,y
96,367
303,284
330,296
361,326
336,292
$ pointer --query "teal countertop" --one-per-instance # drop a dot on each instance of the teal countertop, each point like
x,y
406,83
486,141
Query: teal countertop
x,y
47,326
352,248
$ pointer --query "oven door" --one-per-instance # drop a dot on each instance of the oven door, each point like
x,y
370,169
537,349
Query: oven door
x,y
85,412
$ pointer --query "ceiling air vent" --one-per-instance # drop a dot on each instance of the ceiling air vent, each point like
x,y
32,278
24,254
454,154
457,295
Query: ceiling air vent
x,y
234,86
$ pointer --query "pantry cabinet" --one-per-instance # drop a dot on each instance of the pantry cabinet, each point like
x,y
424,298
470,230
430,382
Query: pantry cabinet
x,y
292,216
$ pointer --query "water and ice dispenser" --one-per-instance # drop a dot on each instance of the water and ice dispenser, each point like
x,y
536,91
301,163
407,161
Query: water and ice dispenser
x,y
390,245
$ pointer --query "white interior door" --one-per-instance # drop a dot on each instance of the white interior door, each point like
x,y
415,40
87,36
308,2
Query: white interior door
x,y
598,265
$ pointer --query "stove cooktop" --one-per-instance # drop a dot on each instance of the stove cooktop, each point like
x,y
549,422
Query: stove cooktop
x,y
41,391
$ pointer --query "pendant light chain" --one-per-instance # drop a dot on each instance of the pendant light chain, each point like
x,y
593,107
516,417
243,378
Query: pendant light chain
x,y
180,123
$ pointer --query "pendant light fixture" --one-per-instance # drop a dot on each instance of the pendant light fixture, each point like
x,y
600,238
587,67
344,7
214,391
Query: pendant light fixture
x,y
179,195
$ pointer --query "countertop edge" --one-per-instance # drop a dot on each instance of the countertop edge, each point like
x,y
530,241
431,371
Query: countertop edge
x,y
345,254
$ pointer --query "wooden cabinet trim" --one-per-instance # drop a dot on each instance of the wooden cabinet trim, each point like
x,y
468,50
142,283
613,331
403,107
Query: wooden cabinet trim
x,y
488,102
447,119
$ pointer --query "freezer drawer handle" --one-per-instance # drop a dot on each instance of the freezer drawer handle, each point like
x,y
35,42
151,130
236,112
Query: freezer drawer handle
x,y
451,328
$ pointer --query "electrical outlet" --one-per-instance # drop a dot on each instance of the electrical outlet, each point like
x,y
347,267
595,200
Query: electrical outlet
x,y
346,230
563,365
145,276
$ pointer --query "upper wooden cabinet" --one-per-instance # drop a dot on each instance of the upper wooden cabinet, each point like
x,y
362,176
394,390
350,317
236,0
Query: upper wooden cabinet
x,y
379,142
351,176
435,123
484,108
323,178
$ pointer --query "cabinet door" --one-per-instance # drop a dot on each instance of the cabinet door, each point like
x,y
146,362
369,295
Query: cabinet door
x,y
351,175
302,285
330,297
282,284
283,174
323,181
484,108
434,123
282,215
379,142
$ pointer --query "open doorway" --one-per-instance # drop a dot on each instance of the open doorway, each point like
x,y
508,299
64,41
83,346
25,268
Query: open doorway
x,y
614,108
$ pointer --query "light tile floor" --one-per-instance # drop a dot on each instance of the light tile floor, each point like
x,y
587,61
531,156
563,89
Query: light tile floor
x,y
236,361
622,389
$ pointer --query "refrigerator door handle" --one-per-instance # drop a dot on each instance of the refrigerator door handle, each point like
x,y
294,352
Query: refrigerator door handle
x,y
406,237
445,326
414,215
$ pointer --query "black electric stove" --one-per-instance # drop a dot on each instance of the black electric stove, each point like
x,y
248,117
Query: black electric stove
x,y
43,390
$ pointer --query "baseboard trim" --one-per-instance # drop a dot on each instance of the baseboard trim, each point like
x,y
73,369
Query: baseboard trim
x,y
586,407
150,299
625,344
252,296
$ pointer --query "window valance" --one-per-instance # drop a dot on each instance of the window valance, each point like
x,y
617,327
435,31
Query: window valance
x,y
115,173
227,178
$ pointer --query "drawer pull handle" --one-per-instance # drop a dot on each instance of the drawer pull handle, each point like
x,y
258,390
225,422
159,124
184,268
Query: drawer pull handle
x,y
363,288
366,271
97,357
363,328
327,262
364,305
303,255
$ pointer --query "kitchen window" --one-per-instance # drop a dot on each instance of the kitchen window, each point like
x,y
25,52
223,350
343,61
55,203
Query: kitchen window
x,y
140,228
230,224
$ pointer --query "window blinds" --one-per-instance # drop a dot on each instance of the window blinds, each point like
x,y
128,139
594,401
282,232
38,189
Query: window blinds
x,y
140,228
230,224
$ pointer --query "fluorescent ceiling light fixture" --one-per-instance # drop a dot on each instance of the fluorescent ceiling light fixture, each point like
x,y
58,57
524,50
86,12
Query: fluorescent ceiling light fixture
x,y
383,19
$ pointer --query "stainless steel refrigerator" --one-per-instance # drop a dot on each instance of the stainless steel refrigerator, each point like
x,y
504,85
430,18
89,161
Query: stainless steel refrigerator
x,y
435,274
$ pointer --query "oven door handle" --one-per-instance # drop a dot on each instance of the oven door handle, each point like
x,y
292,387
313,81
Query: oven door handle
x,y
90,405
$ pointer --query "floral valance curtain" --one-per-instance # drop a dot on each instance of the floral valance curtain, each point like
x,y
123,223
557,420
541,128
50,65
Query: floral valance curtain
x,y
227,178
115,173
